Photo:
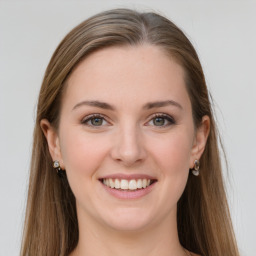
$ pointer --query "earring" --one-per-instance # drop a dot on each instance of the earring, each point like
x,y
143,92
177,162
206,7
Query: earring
x,y
195,170
56,166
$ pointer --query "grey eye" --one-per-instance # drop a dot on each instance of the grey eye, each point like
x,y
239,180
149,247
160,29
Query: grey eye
x,y
96,121
159,121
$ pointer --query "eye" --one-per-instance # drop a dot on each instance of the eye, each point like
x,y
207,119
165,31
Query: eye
x,y
161,120
95,120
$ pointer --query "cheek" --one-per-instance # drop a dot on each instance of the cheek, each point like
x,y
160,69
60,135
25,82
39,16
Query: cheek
x,y
173,152
82,153
171,156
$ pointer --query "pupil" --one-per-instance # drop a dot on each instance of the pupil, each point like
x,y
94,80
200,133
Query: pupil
x,y
158,121
97,121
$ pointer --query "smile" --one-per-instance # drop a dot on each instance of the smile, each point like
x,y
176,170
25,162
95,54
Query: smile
x,y
128,187
124,184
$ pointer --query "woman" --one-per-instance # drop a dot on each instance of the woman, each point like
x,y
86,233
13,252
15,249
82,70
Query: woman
x,y
124,118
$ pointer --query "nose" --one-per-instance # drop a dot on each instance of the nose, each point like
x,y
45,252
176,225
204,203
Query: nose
x,y
128,147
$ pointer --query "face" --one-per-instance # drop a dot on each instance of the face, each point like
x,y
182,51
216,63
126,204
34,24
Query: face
x,y
126,137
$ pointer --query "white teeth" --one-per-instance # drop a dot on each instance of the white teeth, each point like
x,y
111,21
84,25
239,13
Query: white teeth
x,y
117,183
139,183
144,183
124,184
111,183
132,184
127,184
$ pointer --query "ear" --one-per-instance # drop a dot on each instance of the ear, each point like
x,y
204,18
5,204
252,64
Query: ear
x,y
52,140
200,140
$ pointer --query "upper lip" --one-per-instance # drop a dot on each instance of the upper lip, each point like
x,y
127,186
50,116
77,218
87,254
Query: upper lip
x,y
128,176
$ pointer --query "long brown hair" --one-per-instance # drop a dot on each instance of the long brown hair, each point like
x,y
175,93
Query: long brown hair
x,y
51,226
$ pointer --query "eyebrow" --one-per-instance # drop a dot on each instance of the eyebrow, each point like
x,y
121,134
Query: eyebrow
x,y
150,105
94,103
158,104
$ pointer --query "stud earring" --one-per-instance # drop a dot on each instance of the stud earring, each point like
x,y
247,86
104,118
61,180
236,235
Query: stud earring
x,y
195,170
56,166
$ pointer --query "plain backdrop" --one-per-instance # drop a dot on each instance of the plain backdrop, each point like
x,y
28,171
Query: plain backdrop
x,y
224,34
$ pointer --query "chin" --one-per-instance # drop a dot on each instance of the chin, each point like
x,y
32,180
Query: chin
x,y
128,220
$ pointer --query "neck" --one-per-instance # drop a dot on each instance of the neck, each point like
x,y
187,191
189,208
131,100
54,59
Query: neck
x,y
95,239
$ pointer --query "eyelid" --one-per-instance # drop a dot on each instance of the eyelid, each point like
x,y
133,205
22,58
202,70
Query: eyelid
x,y
87,118
168,117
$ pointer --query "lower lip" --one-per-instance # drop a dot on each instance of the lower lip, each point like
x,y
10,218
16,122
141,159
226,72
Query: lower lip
x,y
129,194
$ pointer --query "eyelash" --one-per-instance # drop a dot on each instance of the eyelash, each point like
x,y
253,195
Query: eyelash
x,y
166,117
91,117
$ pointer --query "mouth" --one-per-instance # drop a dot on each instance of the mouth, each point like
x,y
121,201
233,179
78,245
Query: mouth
x,y
127,184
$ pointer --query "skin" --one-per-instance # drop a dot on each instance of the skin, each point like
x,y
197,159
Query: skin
x,y
129,140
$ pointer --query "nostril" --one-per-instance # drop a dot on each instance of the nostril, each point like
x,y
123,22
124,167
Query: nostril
x,y
128,150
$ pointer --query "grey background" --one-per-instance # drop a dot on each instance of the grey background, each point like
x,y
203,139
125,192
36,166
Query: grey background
x,y
224,34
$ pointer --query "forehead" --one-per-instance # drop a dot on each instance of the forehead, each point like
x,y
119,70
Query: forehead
x,y
128,73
